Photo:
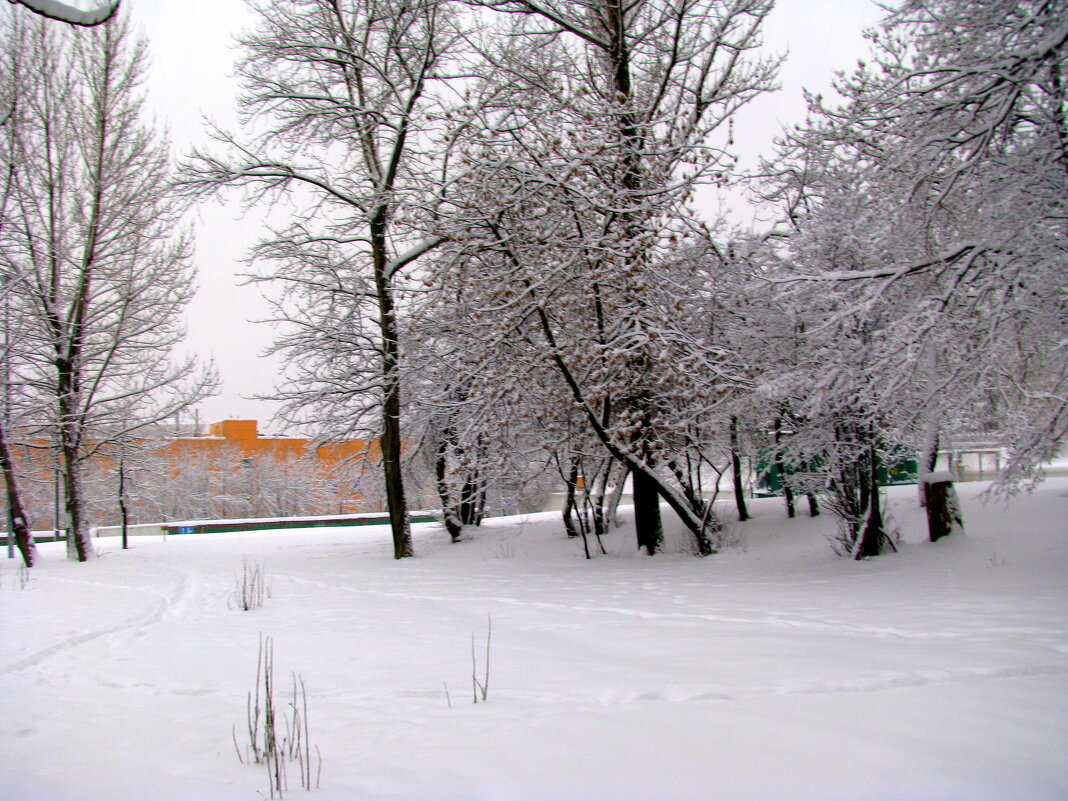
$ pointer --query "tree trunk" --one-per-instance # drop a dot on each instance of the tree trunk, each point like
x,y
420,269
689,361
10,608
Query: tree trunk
x,y
943,509
391,443
647,522
123,511
16,513
79,545
396,503
929,460
612,504
596,492
472,500
453,524
870,538
569,501
787,492
813,504
736,470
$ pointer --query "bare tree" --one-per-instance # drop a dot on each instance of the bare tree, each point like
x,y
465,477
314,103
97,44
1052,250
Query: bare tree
x,y
101,276
11,74
349,99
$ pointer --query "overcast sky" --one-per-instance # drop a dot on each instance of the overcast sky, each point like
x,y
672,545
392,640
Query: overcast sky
x,y
191,77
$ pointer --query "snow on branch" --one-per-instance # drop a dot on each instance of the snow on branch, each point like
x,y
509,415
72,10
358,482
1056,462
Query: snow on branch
x,y
968,249
63,12
404,259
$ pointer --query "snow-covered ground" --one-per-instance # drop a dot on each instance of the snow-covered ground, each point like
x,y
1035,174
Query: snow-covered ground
x,y
774,670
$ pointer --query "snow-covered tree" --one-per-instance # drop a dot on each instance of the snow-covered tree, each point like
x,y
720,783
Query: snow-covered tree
x,y
17,522
978,109
98,268
583,164
348,102
930,204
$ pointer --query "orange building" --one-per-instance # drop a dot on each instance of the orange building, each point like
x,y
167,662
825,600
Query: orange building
x,y
242,437
236,472
229,472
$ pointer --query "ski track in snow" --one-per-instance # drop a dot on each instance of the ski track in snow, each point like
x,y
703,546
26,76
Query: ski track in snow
x,y
760,617
169,606
866,685
612,697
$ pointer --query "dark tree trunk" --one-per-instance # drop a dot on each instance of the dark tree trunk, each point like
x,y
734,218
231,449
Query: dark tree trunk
x,y
871,534
597,494
79,546
396,503
863,484
123,511
391,442
472,500
647,521
569,500
69,337
813,504
943,509
453,524
930,460
736,469
787,491
16,513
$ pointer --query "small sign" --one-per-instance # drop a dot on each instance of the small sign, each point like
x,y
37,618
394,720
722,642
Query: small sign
x,y
185,529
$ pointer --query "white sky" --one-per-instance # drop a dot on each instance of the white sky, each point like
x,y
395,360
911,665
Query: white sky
x,y
191,76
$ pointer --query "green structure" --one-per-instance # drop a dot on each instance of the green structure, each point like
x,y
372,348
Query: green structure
x,y
339,521
903,469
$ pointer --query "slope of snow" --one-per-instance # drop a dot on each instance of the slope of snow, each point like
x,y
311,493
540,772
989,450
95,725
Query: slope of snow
x,y
773,670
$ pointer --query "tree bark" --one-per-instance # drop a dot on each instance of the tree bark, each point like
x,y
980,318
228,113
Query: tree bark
x,y
647,522
943,509
787,492
16,512
612,504
472,499
930,459
79,545
123,511
453,524
391,443
569,500
736,470
870,539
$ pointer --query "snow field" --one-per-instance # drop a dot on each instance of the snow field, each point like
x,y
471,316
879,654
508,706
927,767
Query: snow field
x,y
774,670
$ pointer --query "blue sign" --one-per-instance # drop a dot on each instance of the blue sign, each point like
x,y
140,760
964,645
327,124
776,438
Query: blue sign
x,y
185,529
